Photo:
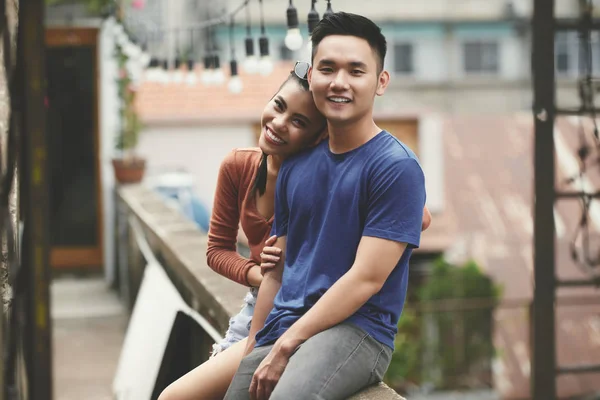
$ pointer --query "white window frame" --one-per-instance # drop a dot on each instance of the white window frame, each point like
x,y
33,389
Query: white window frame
x,y
569,41
481,41
413,48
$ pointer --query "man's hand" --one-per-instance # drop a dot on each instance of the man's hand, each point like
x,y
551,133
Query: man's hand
x,y
268,373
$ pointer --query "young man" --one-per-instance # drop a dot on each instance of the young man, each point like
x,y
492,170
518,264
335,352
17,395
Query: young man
x,y
347,216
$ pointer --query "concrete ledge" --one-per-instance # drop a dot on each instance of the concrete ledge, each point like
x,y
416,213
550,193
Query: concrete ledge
x,y
181,248
377,392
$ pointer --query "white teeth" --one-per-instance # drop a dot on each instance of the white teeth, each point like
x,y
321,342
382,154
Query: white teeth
x,y
273,137
339,100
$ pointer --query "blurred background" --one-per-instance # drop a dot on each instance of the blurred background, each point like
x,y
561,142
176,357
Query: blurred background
x,y
116,115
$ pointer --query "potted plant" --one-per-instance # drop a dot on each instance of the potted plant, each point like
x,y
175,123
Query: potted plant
x,y
128,165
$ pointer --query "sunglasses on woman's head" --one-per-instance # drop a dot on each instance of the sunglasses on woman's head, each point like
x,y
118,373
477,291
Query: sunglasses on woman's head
x,y
301,69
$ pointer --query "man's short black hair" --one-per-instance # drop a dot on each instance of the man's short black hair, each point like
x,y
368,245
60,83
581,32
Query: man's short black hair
x,y
341,23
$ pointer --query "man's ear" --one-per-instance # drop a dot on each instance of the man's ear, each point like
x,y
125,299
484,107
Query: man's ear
x,y
382,82
309,77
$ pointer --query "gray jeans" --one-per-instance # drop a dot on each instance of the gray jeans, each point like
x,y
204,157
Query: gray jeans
x,y
331,365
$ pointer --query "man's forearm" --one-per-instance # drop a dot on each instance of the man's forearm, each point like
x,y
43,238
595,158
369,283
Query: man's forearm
x,y
342,300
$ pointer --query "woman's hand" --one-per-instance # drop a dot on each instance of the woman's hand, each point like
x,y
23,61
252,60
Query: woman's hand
x,y
270,255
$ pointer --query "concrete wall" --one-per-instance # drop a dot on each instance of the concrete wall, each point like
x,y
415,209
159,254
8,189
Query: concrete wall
x,y
197,149
200,149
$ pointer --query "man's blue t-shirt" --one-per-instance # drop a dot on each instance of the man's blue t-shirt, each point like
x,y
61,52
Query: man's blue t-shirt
x,y
324,204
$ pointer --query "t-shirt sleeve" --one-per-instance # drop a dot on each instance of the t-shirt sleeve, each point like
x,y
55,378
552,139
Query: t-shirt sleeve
x,y
396,197
221,253
281,220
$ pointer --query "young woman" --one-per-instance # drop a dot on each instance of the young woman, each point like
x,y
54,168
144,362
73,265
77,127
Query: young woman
x,y
245,196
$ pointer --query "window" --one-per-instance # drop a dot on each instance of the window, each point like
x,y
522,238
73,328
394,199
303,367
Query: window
x,y
481,57
569,57
404,58
563,53
562,58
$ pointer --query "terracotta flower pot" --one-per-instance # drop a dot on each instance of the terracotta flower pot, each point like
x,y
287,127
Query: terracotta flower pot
x,y
129,171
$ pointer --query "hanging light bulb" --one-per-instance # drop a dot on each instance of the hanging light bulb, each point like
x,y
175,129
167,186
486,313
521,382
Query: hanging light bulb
x,y
265,65
250,63
207,74
218,77
329,10
165,74
191,78
235,84
153,71
293,39
177,73
313,20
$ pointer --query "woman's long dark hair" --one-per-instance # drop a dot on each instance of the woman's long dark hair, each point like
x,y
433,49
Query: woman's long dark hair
x,y
260,182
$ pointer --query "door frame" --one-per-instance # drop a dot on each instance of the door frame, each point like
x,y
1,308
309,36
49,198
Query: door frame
x,y
62,257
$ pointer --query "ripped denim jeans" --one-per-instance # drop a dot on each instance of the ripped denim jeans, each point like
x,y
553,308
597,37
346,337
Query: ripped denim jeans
x,y
239,325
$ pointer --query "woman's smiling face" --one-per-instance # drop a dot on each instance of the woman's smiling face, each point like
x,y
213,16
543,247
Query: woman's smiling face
x,y
290,122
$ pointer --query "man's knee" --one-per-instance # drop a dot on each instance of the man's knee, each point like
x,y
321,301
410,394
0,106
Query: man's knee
x,y
239,386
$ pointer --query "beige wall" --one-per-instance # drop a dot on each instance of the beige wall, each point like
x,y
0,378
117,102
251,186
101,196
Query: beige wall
x,y
197,149
200,150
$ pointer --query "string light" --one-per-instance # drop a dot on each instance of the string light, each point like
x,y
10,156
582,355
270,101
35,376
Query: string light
x,y
265,65
141,62
209,60
329,10
218,77
250,62
165,75
206,77
235,84
293,38
153,71
177,74
313,20
191,79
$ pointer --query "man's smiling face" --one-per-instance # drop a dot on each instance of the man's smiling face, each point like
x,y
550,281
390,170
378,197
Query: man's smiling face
x,y
344,78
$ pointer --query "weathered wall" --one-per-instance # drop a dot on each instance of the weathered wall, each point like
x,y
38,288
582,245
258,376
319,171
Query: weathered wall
x,y
11,19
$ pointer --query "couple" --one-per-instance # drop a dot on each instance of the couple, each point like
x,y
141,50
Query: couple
x,y
345,211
